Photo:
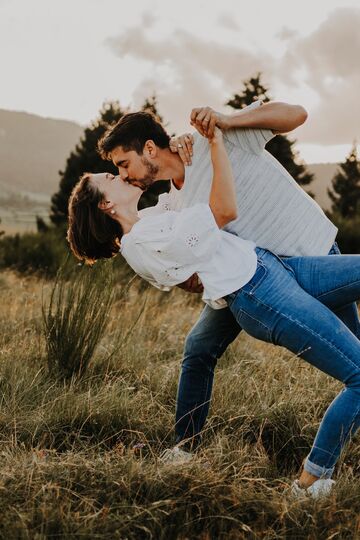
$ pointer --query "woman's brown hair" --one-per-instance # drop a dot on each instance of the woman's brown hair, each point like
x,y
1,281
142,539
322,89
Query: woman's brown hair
x,y
91,233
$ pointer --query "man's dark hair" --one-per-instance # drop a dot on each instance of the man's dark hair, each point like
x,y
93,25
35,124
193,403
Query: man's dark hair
x,y
131,133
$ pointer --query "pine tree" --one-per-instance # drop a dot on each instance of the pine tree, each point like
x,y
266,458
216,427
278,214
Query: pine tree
x,y
82,159
280,146
345,192
85,158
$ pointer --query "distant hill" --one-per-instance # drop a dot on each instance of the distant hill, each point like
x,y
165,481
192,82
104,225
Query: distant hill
x,y
324,173
32,151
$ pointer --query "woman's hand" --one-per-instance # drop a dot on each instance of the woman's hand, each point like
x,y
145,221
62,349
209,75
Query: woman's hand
x,y
205,119
183,145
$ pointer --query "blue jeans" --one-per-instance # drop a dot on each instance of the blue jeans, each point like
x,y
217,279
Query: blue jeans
x,y
311,276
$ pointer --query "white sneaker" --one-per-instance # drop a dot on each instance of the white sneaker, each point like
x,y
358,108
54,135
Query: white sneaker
x,y
175,456
320,488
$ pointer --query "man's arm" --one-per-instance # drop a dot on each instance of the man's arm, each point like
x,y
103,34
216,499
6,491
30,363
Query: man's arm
x,y
277,116
192,285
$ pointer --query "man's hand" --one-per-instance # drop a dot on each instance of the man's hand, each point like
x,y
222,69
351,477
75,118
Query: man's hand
x,y
204,119
183,145
193,284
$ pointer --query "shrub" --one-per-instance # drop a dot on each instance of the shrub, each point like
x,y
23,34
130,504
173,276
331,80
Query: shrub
x,y
348,236
76,317
43,252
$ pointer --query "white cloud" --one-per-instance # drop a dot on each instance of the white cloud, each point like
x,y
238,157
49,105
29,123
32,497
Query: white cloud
x,y
186,71
227,21
286,33
328,60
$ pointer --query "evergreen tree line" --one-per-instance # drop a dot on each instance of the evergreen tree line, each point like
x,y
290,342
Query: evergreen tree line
x,y
85,157
28,252
344,193
345,196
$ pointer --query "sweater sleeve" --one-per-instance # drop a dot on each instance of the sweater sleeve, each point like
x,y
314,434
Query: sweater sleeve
x,y
249,139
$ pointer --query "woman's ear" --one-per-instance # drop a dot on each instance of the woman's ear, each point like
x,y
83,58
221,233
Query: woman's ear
x,y
105,206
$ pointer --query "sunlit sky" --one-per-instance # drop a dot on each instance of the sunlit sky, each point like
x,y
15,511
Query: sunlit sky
x,y
64,59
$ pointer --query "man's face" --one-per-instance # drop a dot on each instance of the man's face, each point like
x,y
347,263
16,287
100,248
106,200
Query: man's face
x,y
134,169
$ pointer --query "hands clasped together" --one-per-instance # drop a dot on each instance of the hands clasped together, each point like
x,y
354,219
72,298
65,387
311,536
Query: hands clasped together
x,y
205,120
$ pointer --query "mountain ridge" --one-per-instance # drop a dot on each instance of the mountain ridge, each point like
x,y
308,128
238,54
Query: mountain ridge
x,y
33,149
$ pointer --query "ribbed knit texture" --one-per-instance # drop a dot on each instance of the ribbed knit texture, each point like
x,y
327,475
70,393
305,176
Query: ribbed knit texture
x,y
273,210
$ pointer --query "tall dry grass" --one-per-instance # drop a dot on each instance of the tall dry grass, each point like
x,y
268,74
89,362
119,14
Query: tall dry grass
x,y
76,316
79,459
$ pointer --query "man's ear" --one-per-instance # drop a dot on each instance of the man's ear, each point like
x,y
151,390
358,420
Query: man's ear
x,y
150,149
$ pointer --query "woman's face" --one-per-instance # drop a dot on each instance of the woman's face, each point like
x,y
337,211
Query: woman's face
x,y
115,190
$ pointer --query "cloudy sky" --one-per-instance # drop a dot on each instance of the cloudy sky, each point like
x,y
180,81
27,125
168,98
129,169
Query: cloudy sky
x,y
63,59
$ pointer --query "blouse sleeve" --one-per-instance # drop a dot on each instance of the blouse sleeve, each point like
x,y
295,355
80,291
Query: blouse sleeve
x,y
167,249
195,235
250,140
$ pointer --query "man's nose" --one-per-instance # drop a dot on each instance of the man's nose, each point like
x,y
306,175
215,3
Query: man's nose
x,y
123,174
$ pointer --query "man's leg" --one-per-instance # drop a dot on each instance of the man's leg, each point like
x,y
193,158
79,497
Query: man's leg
x,y
348,314
206,342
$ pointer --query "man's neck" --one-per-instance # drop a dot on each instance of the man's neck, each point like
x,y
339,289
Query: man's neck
x,y
172,168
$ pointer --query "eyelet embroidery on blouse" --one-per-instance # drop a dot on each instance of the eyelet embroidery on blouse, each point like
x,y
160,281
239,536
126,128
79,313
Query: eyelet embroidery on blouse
x,y
166,206
171,271
192,240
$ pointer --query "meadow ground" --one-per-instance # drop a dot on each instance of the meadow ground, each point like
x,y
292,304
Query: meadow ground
x,y
79,459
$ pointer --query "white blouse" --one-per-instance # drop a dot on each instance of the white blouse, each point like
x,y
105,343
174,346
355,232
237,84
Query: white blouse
x,y
167,247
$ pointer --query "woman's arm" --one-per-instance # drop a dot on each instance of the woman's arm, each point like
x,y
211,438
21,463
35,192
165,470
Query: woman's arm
x,y
222,200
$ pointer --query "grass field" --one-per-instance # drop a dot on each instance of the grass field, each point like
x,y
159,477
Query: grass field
x,y
18,212
80,459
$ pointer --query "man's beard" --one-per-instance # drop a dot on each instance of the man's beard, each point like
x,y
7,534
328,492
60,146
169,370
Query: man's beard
x,y
146,181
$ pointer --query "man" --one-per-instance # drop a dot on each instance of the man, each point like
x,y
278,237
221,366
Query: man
x,y
273,211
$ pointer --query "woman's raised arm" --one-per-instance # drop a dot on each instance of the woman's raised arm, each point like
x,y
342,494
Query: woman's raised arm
x,y
222,200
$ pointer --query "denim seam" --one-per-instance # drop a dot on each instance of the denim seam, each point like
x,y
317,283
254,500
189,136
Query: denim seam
x,y
323,450
309,466
346,358
339,289
225,339
268,331
203,404
348,431
285,264
190,413
260,280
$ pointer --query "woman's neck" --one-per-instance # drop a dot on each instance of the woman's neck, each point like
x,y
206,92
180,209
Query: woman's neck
x,y
128,222
127,217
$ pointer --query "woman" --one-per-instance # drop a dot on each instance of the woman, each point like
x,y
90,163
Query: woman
x,y
166,247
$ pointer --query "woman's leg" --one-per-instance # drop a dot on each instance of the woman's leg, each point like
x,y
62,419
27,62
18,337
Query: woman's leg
x,y
273,307
348,314
334,280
